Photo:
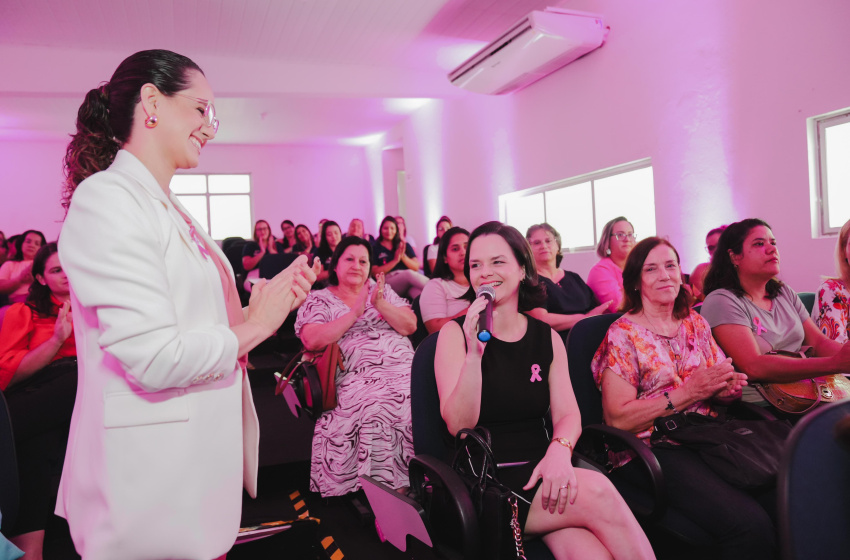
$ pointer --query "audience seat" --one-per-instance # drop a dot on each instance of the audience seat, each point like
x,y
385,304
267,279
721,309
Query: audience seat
x,y
433,458
9,496
808,299
814,486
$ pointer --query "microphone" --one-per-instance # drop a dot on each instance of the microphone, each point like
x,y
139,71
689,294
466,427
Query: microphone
x,y
485,319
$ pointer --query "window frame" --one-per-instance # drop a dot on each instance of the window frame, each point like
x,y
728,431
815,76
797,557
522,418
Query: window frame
x,y
505,199
207,194
817,162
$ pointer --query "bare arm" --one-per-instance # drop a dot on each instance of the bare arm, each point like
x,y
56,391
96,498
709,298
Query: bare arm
x,y
24,277
402,319
43,354
433,325
622,409
562,322
739,343
458,370
410,262
250,263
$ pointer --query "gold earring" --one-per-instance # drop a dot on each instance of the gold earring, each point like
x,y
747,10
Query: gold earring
x,y
151,121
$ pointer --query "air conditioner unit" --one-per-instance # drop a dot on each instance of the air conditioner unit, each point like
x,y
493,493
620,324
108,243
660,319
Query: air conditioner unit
x,y
536,46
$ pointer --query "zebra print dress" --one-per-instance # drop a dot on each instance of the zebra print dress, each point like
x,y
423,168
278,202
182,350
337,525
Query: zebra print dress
x,y
369,432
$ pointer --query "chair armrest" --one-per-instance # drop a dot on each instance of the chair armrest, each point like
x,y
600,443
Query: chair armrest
x,y
602,436
426,469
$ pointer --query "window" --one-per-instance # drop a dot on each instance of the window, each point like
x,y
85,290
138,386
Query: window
x,y
221,204
830,145
579,207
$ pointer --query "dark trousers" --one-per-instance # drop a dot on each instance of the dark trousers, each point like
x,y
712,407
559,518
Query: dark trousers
x,y
40,409
743,523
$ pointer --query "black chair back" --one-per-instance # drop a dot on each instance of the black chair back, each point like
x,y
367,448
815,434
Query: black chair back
x,y
814,486
583,341
808,299
421,332
428,425
9,493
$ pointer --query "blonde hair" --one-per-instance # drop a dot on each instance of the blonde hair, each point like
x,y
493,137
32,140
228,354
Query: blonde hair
x,y
841,264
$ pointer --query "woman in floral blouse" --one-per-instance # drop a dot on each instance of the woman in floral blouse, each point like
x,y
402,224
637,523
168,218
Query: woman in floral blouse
x,y
832,313
659,358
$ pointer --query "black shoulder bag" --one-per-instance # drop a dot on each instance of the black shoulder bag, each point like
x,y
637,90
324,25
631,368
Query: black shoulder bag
x,y
496,505
745,453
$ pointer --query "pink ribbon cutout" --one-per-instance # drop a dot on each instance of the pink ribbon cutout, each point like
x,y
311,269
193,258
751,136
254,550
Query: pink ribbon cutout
x,y
198,242
535,373
759,328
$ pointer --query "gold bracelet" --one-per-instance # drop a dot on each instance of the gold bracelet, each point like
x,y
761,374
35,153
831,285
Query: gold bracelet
x,y
565,442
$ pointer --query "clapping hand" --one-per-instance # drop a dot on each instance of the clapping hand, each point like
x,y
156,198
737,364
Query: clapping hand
x,y
708,381
64,323
378,292
599,309
734,386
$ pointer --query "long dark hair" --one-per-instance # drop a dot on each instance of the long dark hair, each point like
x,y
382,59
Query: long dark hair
x,y
722,272
298,245
441,269
632,271
440,221
532,293
38,298
105,119
19,243
324,250
396,239
346,242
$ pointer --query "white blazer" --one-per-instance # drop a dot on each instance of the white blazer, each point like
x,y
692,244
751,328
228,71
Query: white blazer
x,y
164,431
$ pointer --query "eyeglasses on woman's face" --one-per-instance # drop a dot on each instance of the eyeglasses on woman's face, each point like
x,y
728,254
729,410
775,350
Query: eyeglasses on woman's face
x,y
209,111
620,236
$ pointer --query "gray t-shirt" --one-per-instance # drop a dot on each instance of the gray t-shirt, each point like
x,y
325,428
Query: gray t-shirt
x,y
781,328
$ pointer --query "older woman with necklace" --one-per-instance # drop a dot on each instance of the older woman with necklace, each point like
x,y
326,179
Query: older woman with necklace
x,y
658,359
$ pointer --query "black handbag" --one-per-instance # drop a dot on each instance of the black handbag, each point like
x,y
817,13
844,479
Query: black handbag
x,y
745,453
495,504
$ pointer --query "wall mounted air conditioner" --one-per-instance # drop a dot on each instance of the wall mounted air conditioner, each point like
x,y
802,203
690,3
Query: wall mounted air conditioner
x,y
537,45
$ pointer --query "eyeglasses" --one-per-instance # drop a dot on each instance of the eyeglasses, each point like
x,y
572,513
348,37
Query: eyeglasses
x,y
209,111
621,236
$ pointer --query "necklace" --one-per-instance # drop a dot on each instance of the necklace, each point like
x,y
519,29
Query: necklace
x,y
672,343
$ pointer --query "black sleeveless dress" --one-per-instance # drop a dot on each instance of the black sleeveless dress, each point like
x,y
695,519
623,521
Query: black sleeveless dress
x,y
515,405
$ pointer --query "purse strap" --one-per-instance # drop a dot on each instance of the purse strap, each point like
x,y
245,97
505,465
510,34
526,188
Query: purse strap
x,y
477,438
287,372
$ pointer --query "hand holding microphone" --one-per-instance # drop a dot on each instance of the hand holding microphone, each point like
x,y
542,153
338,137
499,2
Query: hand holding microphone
x,y
485,318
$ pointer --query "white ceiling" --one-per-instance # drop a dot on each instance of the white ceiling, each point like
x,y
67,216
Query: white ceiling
x,y
284,71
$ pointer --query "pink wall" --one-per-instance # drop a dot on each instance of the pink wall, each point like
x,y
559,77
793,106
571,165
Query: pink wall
x,y
716,92
31,180
302,183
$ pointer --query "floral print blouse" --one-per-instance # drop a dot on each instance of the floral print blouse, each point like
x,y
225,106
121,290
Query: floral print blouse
x,y
653,363
832,313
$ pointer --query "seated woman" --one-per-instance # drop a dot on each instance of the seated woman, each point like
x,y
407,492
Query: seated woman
x,y
264,244
38,376
395,258
568,298
16,274
442,299
429,252
606,276
371,423
304,246
752,313
832,312
658,359
577,512
697,279
288,230
328,240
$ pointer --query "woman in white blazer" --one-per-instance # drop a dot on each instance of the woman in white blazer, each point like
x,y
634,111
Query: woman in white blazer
x,y
164,433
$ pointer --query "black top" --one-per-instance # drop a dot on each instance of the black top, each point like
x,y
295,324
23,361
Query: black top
x,y
381,256
515,393
251,248
569,296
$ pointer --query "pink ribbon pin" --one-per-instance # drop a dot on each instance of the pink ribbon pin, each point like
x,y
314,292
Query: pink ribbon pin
x,y
198,242
759,328
535,373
